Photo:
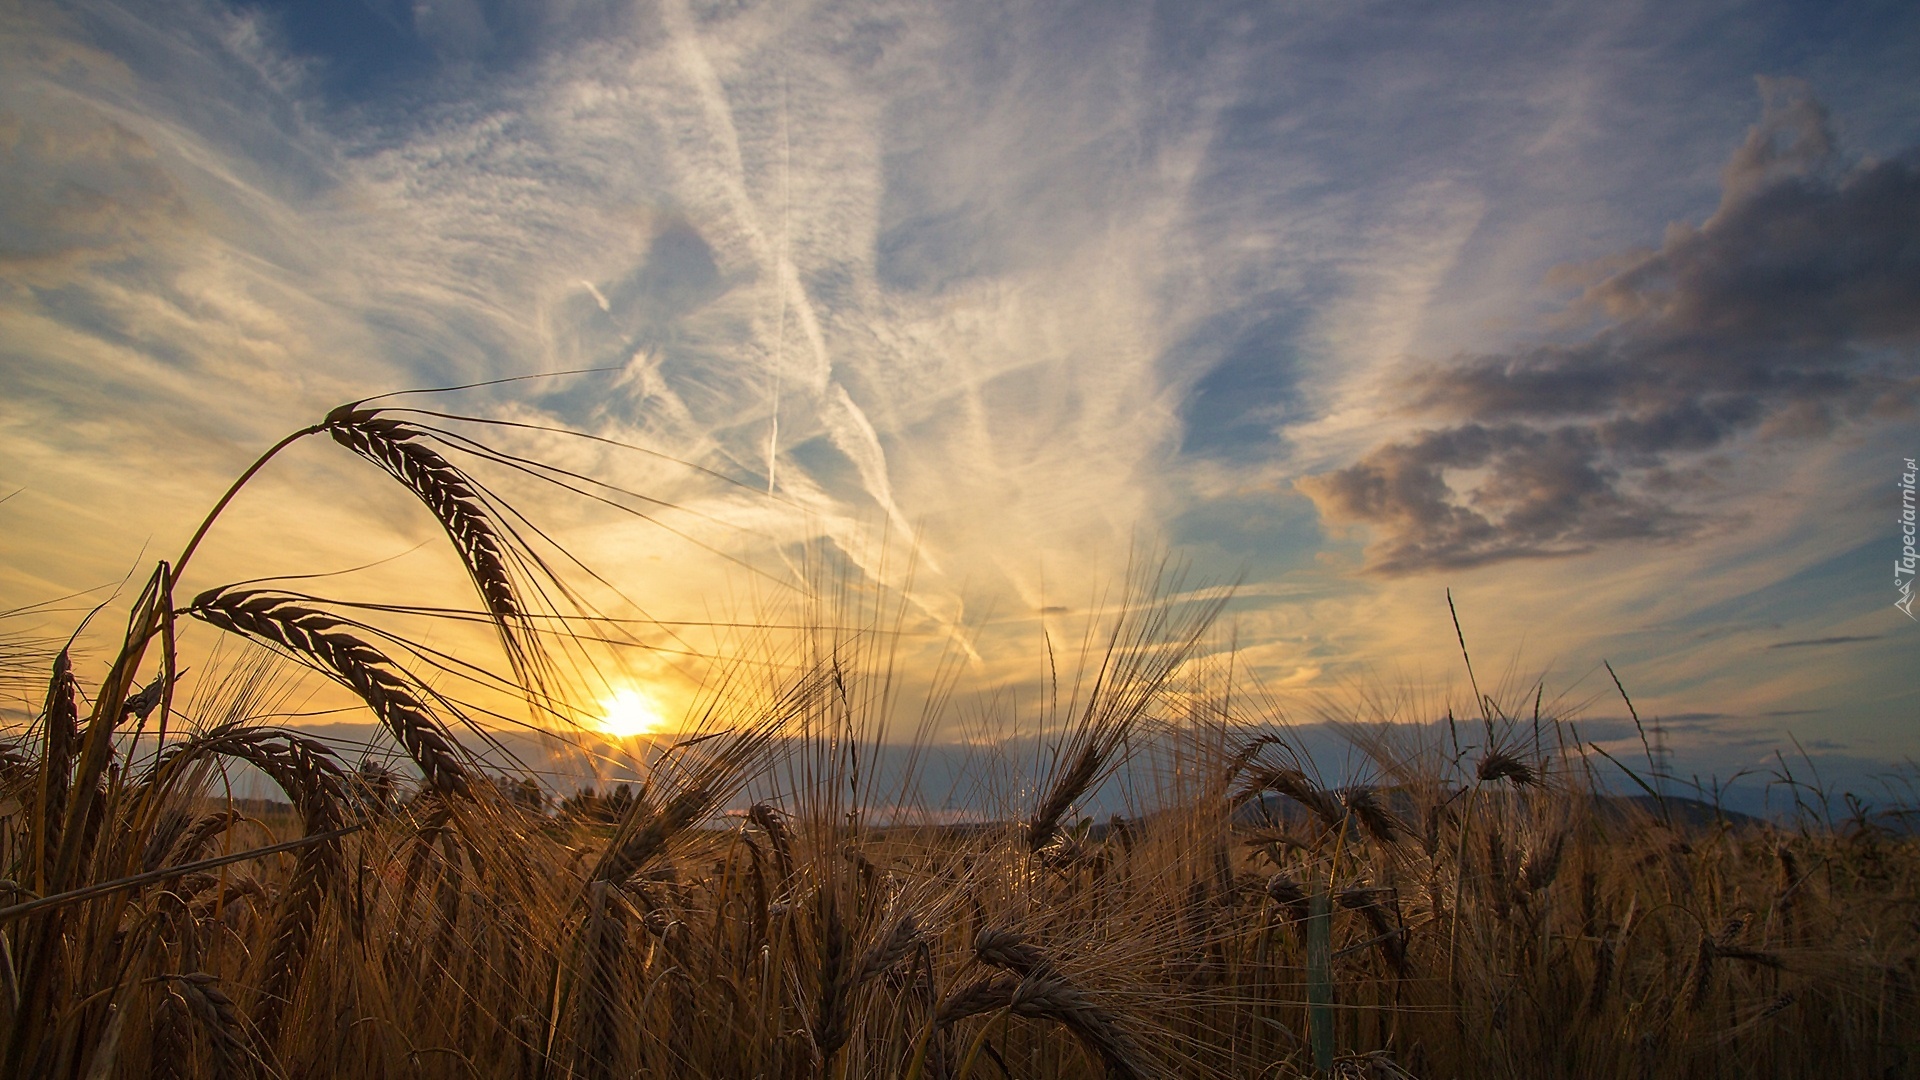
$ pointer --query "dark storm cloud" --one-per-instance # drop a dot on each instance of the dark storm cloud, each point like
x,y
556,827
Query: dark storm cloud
x,y
1547,492
1793,310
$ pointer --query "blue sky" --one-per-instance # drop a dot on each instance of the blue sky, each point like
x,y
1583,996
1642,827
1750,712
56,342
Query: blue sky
x,y
1601,316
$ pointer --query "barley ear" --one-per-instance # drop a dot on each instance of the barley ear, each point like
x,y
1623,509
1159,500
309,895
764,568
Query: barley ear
x,y
306,771
233,1058
327,643
455,501
62,739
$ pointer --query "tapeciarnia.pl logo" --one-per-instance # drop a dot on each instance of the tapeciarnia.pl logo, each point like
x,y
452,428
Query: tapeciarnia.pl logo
x,y
1903,567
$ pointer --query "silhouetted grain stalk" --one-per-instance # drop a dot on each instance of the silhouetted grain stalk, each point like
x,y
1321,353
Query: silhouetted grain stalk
x,y
598,984
1040,991
1142,654
306,772
1381,911
61,735
833,978
328,643
768,819
1042,997
900,941
1378,822
1293,783
99,790
1603,965
1784,899
447,491
172,1052
189,1012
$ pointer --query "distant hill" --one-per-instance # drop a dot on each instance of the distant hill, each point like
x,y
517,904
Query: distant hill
x,y
1688,813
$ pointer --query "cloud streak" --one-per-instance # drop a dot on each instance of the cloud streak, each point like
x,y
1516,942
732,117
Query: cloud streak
x,y
1838,639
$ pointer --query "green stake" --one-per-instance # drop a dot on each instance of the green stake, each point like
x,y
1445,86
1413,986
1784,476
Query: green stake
x,y
1320,980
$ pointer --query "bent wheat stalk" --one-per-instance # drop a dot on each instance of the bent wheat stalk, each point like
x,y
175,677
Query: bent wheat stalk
x,y
200,993
323,640
1043,997
645,832
447,491
306,770
455,502
1150,641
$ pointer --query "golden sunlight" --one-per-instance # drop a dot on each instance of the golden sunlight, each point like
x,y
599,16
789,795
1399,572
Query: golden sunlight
x,y
626,713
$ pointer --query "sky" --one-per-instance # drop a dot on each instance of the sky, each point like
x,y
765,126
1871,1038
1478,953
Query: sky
x,y
1605,318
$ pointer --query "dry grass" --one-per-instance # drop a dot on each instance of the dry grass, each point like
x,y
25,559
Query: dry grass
x,y
1464,918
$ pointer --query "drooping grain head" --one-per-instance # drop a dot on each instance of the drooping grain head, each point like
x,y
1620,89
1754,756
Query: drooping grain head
x,y
1003,947
233,1053
1499,764
318,638
899,942
307,772
1543,862
1379,822
1293,784
645,832
1098,1029
447,491
1044,825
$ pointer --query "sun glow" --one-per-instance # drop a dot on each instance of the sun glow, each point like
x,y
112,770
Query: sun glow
x,y
626,713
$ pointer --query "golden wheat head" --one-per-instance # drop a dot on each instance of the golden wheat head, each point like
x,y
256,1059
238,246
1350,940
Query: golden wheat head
x,y
319,638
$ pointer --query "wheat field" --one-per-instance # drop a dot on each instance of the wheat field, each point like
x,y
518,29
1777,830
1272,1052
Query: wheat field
x,y
1471,903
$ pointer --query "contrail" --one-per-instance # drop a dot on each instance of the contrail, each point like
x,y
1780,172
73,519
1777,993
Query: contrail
x,y
847,425
598,296
786,255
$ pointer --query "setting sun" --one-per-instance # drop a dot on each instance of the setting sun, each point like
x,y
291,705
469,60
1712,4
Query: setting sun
x,y
626,713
